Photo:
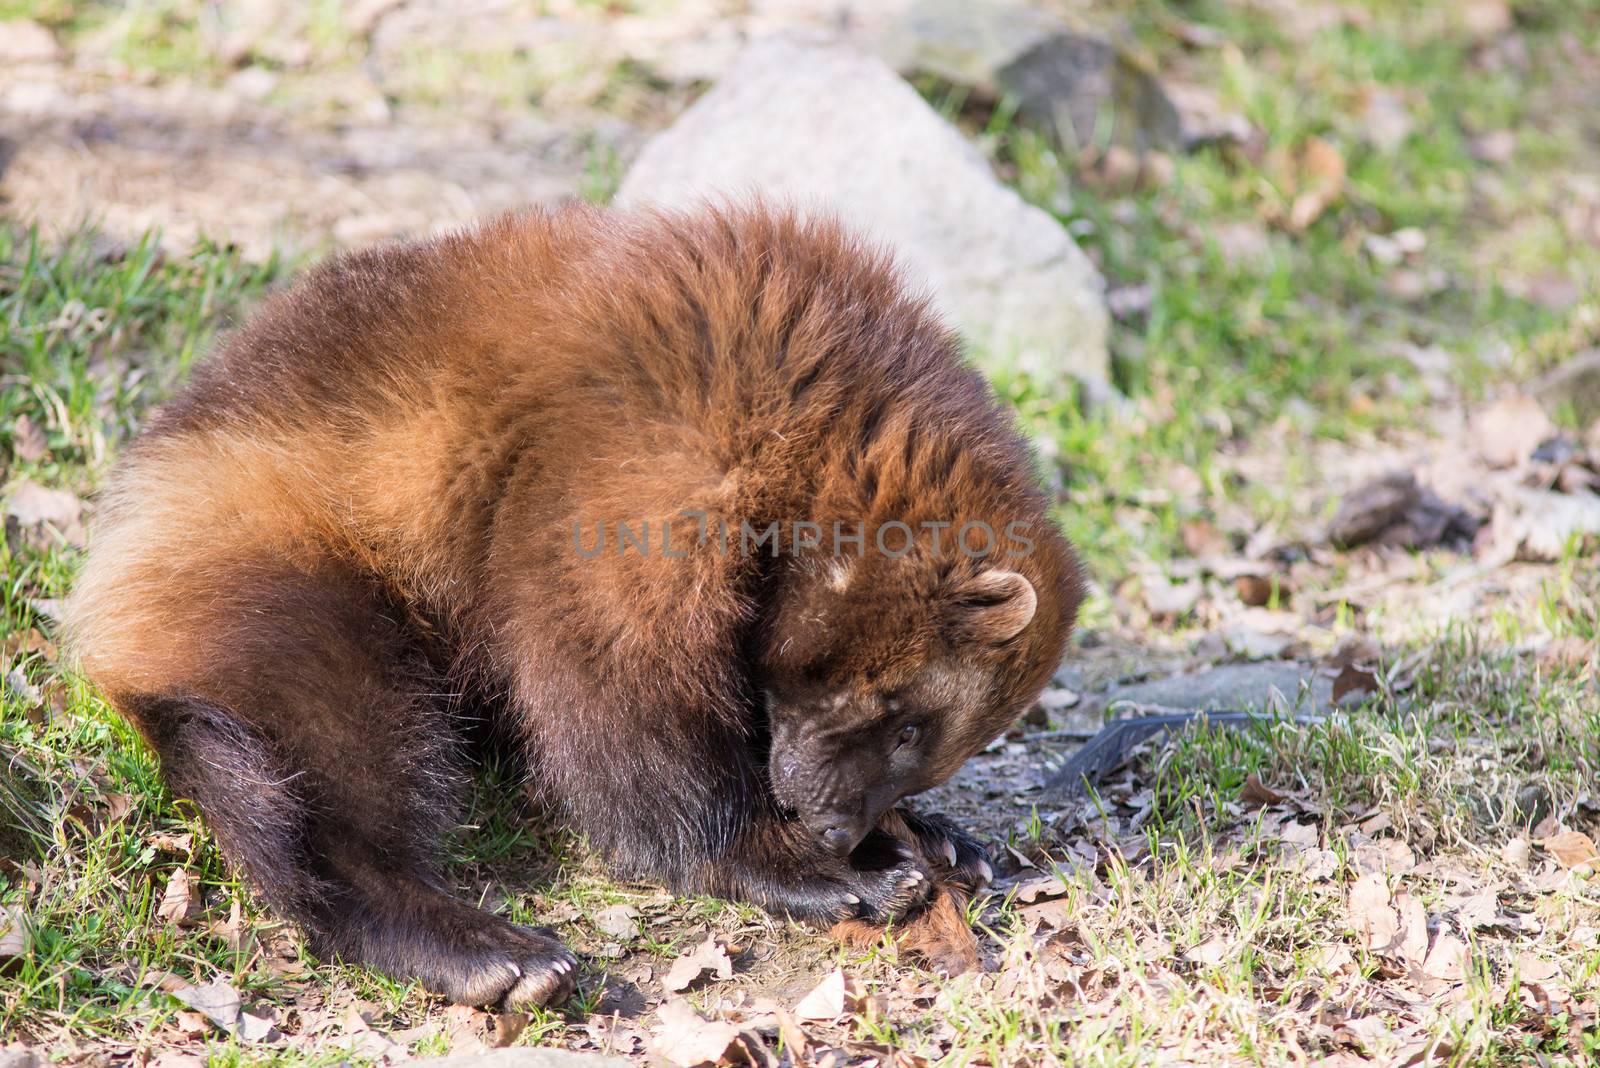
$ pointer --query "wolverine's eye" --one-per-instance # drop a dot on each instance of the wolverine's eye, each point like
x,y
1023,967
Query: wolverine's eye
x,y
908,734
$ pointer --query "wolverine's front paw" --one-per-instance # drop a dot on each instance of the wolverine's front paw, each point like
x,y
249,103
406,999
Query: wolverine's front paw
x,y
951,847
882,881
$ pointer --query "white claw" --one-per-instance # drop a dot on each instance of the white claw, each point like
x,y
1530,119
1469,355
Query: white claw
x,y
852,899
950,852
516,969
985,872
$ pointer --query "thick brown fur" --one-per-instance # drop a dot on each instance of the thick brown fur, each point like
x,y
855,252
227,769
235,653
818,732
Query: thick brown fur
x,y
353,534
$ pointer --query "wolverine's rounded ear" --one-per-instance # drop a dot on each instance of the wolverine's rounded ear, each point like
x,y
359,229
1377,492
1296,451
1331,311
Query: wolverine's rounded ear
x,y
991,607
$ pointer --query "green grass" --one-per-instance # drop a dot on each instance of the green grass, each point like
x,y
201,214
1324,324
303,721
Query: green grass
x,y
1276,352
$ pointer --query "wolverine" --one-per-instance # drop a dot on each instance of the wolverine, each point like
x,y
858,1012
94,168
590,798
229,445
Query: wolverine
x,y
369,525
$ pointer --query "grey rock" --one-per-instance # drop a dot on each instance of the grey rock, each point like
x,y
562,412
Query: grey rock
x,y
1079,86
1244,687
21,1057
827,128
528,1057
1576,383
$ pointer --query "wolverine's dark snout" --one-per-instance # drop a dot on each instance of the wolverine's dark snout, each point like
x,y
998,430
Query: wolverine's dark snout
x,y
839,794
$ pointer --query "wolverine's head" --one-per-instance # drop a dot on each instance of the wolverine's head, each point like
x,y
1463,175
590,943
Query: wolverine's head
x,y
881,676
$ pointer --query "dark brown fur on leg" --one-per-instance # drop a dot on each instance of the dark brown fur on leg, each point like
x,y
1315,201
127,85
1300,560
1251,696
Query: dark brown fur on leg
x,y
324,762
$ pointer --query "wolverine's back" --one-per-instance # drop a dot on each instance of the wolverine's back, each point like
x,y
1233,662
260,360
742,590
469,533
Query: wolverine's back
x,y
376,410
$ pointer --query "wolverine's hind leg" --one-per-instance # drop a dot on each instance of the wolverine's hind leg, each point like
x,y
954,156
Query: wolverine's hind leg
x,y
313,738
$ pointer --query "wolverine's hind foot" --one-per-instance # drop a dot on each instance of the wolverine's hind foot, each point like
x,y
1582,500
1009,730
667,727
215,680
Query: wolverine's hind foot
x,y
512,967
470,956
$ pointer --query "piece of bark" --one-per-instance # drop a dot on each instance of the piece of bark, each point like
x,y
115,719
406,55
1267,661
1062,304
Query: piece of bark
x,y
1369,511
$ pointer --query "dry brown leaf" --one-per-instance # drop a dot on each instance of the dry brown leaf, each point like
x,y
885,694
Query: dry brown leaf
x,y
1354,679
1201,538
508,1027
216,1001
27,440
1535,969
685,1038
175,1059
230,930
1255,793
795,1042
1411,943
14,940
1516,852
1333,960
1303,835
1168,600
163,980
181,904
1507,432
1210,952
1367,1032
1389,857
1571,653
466,1028
1038,888
1053,913
711,956
1447,960
618,921
1479,910
38,506
256,1024
1374,921
1572,849
830,999
1321,173
117,806
1319,864
172,843
1375,825
192,1023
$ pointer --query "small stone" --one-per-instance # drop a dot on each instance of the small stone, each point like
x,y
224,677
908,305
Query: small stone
x,y
1229,687
1079,86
